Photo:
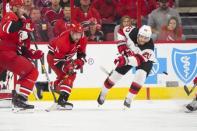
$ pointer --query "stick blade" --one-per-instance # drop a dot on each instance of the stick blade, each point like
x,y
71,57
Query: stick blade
x,y
186,90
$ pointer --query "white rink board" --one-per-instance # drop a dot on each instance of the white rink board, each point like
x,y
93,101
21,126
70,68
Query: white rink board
x,y
104,54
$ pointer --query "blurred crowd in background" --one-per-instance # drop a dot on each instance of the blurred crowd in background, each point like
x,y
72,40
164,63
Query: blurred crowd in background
x,y
102,19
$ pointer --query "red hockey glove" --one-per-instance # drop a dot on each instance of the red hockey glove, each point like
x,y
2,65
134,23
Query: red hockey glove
x,y
124,50
78,63
68,67
28,25
195,81
34,54
121,61
128,53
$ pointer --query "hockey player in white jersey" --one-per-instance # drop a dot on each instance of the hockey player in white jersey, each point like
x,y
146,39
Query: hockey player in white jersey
x,y
137,50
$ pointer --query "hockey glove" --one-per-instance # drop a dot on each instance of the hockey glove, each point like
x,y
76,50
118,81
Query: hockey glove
x,y
124,50
195,81
33,54
68,67
78,63
121,61
28,25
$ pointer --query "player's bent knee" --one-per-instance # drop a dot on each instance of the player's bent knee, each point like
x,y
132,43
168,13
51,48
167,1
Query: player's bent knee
x,y
33,74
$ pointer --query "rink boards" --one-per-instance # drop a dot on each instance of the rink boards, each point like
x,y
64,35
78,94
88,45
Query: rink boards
x,y
178,60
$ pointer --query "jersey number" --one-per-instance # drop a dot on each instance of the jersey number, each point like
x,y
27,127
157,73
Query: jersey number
x,y
147,55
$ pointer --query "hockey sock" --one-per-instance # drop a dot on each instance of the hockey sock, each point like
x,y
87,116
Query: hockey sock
x,y
133,91
110,81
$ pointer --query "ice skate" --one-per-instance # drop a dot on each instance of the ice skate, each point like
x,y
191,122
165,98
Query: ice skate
x,y
193,105
101,98
127,102
62,103
19,102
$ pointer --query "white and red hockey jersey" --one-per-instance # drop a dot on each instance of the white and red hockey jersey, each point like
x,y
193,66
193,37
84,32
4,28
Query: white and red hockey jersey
x,y
128,36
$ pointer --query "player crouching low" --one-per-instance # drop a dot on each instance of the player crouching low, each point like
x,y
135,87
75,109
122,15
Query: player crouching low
x,y
137,50
61,58
193,105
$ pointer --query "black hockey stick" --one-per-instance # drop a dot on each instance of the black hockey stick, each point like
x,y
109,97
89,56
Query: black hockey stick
x,y
188,92
44,69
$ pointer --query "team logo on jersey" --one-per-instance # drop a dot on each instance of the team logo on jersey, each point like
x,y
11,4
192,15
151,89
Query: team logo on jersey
x,y
185,64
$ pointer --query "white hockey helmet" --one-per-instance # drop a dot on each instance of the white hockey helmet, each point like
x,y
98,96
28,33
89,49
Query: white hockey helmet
x,y
145,31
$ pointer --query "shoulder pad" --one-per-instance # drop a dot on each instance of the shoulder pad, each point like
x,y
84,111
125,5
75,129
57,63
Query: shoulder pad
x,y
127,30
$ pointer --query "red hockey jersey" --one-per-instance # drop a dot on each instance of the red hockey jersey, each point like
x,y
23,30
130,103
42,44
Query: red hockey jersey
x,y
51,15
64,48
8,40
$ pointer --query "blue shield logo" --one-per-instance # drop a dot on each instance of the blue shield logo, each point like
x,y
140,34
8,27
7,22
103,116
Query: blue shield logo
x,y
185,64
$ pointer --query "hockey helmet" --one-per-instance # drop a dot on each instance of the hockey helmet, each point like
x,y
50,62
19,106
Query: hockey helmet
x,y
77,28
76,32
145,31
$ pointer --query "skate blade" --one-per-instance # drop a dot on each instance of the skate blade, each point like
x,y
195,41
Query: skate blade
x,y
22,110
67,107
187,110
126,107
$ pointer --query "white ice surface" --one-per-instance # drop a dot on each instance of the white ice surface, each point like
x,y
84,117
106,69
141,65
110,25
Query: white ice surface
x,y
87,116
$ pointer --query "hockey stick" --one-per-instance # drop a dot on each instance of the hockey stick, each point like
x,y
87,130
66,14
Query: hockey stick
x,y
188,92
44,69
109,73
105,71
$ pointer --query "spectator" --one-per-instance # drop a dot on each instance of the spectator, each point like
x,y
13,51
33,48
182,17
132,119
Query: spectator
x,y
43,30
169,2
54,12
107,10
28,5
160,16
125,21
64,23
94,32
129,7
1,11
172,31
85,12
64,3
42,3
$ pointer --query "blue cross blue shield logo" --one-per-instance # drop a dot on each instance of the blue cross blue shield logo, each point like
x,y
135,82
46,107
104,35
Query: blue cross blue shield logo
x,y
185,64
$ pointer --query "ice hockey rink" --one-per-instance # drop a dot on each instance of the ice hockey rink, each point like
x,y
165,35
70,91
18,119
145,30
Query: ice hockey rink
x,y
144,115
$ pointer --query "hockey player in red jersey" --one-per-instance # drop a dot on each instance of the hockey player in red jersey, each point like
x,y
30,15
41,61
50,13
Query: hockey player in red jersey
x,y
193,105
15,53
137,50
61,58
